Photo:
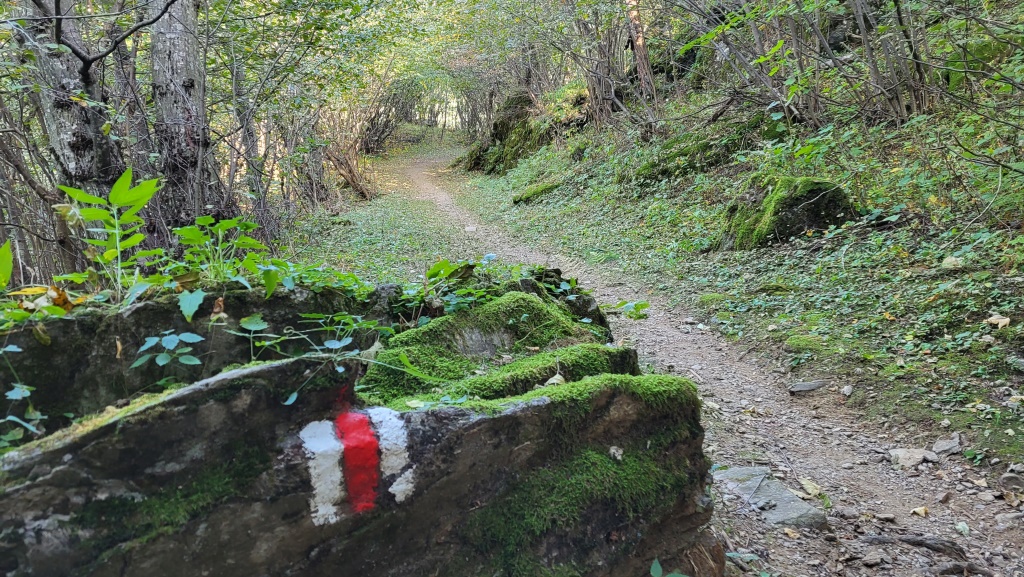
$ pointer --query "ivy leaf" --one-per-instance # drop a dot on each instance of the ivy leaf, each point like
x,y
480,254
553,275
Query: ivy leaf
x,y
189,360
254,323
190,338
162,359
189,301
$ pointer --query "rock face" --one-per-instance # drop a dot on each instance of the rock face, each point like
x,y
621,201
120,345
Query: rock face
x,y
543,451
783,207
777,503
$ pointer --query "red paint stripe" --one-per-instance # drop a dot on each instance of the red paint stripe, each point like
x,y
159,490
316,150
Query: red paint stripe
x,y
361,458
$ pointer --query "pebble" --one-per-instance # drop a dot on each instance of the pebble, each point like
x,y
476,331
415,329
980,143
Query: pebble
x,y
886,517
1012,482
872,558
944,497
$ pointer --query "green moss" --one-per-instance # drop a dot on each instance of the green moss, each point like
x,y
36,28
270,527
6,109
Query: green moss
x,y
659,392
805,344
558,498
792,206
121,521
443,349
709,300
573,363
535,191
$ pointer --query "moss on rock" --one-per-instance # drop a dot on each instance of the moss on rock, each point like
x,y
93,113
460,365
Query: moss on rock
x,y
451,347
555,501
790,207
535,191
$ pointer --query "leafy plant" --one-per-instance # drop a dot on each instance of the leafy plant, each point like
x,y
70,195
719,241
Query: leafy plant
x,y
634,310
220,250
657,571
119,225
175,348
17,394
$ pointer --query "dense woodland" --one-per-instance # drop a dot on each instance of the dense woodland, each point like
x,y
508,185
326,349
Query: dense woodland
x,y
265,110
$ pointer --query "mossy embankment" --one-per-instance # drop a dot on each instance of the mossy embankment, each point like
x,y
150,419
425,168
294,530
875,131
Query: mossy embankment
x,y
891,293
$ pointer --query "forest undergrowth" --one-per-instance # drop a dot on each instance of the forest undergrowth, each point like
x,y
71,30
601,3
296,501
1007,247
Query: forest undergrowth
x,y
909,303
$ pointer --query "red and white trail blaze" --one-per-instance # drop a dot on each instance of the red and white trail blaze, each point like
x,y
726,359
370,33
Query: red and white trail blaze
x,y
349,458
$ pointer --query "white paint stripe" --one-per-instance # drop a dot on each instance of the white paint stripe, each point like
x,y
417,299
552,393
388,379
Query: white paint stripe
x,y
321,443
394,441
404,486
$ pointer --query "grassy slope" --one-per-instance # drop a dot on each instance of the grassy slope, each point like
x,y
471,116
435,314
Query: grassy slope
x,y
876,305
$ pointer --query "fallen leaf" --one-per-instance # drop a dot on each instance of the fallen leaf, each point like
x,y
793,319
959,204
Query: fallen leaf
x,y
32,290
117,341
800,494
920,511
791,533
533,349
999,321
555,380
812,488
980,482
962,528
60,298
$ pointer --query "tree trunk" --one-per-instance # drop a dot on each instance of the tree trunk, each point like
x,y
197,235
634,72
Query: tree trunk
x,y
76,129
640,54
182,136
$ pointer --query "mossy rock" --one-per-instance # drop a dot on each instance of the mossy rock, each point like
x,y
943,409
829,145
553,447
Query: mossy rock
x,y
533,372
804,344
535,191
451,347
685,155
788,207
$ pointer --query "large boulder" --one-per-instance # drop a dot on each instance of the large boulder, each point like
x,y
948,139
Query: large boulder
x,y
781,207
546,452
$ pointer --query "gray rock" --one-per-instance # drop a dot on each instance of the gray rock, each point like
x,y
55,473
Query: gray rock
x,y
1012,482
872,558
807,386
908,458
947,446
847,390
756,485
1009,518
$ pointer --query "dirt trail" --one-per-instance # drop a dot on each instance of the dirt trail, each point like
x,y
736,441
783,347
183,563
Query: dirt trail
x,y
753,420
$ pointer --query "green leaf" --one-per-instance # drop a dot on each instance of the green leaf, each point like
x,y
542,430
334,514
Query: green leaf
x,y
270,280
150,342
205,220
254,323
6,264
189,360
119,192
14,419
414,371
170,342
336,344
19,392
190,338
90,213
82,196
291,398
134,292
656,570
189,301
163,358
133,240
141,361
